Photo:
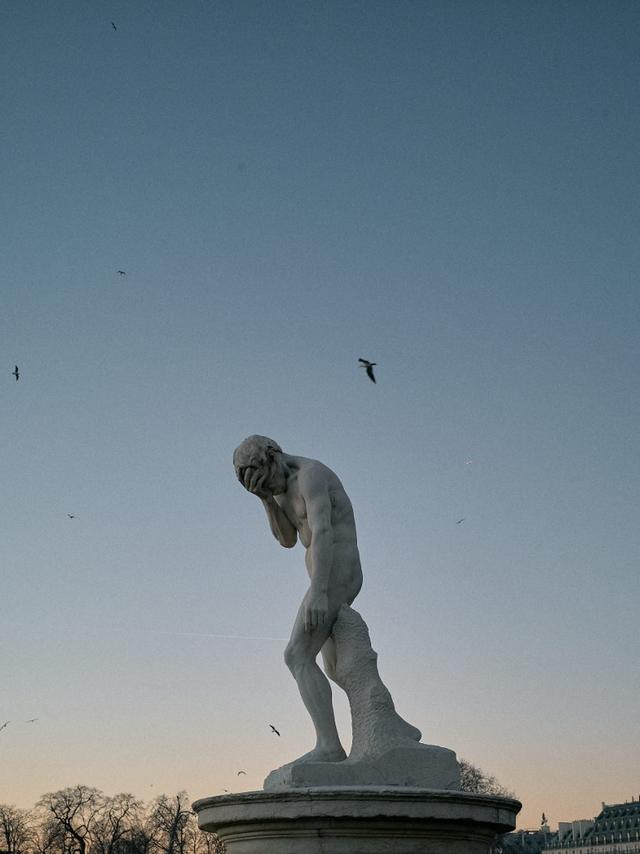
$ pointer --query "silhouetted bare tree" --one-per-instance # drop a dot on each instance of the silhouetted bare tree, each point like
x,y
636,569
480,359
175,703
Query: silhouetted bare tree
x,y
478,782
116,823
46,836
15,828
75,811
175,828
199,842
169,819
82,820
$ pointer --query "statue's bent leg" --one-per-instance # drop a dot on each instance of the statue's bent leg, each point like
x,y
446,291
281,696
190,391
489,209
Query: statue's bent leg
x,y
300,657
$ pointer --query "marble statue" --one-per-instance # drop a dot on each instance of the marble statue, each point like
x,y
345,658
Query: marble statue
x,y
304,500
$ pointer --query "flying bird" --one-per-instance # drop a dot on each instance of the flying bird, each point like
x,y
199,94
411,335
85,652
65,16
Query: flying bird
x,y
71,516
274,729
241,772
122,272
369,368
32,720
113,25
459,521
15,373
5,724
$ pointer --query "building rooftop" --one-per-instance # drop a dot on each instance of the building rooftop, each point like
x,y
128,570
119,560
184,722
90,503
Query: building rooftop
x,y
614,823
614,817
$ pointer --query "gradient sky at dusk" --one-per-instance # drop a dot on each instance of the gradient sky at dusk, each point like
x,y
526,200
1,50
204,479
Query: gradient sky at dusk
x,y
448,188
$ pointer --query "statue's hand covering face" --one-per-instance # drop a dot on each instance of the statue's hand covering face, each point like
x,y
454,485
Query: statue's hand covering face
x,y
255,464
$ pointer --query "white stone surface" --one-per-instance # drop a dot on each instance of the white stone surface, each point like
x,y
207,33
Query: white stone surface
x,y
421,765
344,820
385,748
305,500
376,726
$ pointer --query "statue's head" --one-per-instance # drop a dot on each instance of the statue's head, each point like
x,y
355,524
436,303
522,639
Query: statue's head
x,y
263,454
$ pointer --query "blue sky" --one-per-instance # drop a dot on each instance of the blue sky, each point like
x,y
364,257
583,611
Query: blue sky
x,y
449,189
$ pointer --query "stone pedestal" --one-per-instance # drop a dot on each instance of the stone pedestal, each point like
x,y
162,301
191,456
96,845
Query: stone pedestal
x,y
423,766
367,820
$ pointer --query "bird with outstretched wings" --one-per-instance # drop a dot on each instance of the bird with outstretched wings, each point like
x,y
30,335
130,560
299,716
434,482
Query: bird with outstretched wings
x,y
369,366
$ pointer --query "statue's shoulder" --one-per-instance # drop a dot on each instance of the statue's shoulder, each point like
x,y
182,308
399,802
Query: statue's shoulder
x,y
314,473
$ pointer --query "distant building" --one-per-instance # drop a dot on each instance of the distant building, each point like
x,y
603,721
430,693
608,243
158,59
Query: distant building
x,y
615,830
571,836
529,841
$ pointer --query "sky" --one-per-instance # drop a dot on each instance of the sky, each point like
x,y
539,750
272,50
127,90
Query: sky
x,y
450,189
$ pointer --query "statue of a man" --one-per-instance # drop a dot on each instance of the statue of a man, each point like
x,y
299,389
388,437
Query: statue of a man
x,y
305,500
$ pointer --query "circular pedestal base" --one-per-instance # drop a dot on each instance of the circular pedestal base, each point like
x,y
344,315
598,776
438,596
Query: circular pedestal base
x,y
343,820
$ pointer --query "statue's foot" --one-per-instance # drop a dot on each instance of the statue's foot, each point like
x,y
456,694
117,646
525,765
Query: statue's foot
x,y
320,754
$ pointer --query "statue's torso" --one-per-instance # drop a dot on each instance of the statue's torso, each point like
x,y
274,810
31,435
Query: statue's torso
x,y
293,502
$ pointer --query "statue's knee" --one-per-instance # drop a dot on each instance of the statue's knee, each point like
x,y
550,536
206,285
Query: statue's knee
x,y
292,657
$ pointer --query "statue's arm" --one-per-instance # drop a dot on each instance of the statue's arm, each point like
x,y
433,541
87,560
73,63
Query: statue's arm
x,y
318,503
281,528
